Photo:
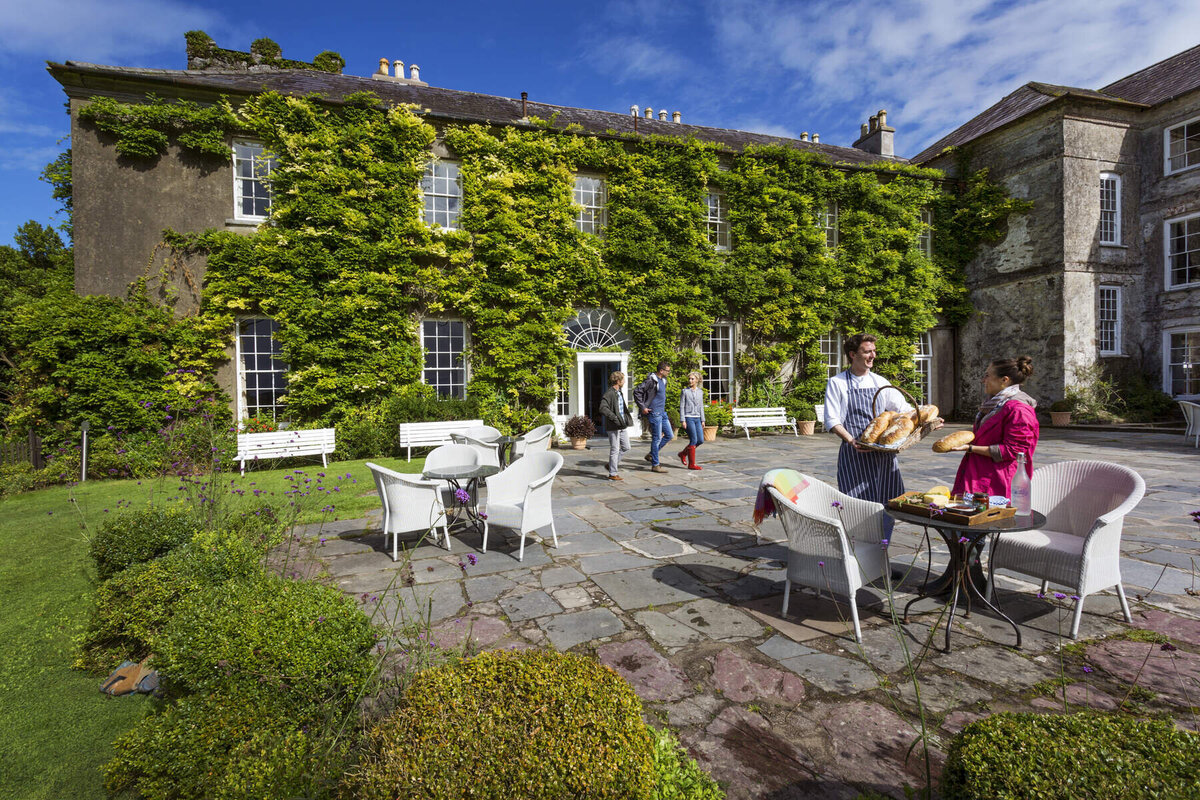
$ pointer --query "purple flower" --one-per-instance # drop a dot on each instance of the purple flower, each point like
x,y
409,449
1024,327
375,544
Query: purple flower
x,y
462,496
963,540
820,563
483,516
1086,668
836,504
1167,647
883,543
1059,596
471,559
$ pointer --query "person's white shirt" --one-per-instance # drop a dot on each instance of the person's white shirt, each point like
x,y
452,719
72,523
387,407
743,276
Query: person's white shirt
x,y
837,396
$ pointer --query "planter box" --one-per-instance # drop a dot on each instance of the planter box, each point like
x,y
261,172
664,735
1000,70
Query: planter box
x,y
710,433
1060,419
806,427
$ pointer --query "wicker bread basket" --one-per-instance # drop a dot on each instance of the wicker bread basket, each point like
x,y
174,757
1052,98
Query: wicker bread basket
x,y
917,435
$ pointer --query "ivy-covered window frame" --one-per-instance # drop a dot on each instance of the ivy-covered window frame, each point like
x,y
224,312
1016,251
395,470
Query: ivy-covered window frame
x,y
261,373
590,196
1110,208
1108,320
444,345
1181,146
831,352
829,223
717,351
1181,250
1181,362
442,193
716,220
925,238
252,167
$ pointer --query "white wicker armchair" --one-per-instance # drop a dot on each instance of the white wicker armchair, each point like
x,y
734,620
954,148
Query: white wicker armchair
x,y
409,505
489,452
535,441
1191,414
451,455
1085,503
519,497
846,538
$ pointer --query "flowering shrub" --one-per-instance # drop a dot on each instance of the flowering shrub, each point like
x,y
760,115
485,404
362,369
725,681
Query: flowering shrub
x,y
718,413
259,425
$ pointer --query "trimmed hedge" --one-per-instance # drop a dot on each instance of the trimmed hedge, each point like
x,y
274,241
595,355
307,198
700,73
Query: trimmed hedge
x,y
135,537
134,606
530,724
1103,757
266,635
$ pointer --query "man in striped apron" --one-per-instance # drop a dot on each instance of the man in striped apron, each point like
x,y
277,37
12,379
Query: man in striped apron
x,y
862,473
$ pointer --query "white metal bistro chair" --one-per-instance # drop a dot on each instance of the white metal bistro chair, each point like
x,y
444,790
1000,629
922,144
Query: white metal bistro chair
x,y
846,539
534,441
1191,414
410,504
1085,503
519,497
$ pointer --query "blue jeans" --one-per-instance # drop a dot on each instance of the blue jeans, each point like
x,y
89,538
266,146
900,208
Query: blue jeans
x,y
695,429
660,426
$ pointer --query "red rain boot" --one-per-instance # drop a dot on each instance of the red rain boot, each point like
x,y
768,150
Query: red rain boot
x,y
691,454
683,455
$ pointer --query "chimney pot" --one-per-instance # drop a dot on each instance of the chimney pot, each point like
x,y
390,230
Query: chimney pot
x,y
383,66
633,110
414,72
816,138
662,114
863,130
524,101
804,136
882,115
874,123
676,116
649,113
398,68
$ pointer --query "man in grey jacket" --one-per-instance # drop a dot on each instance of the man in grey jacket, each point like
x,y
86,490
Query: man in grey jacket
x,y
651,398
617,422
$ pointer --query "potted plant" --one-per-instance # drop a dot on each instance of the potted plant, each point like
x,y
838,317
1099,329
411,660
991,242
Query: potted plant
x,y
806,420
579,429
715,415
1060,413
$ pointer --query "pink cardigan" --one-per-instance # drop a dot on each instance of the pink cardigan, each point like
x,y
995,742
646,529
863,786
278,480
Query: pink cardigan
x,y
1015,428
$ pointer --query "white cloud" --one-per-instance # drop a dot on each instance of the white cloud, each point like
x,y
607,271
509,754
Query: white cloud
x,y
28,159
628,59
107,31
936,64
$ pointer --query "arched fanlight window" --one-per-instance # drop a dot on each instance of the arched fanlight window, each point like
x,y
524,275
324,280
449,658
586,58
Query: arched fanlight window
x,y
596,329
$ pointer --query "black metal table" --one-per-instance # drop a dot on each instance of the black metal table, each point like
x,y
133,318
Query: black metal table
x,y
963,575
455,476
505,443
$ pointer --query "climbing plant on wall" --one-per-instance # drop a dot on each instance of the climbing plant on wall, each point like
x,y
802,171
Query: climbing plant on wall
x,y
346,265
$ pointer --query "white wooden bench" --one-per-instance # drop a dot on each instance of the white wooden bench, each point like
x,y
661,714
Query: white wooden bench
x,y
748,418
820,409
432,434
284,444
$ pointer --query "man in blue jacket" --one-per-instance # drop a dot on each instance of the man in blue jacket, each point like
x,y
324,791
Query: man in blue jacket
x,y
651,398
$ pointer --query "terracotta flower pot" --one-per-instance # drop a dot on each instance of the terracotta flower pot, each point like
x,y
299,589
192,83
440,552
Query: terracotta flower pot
x,y
1060,419
710,433
579,443
807,427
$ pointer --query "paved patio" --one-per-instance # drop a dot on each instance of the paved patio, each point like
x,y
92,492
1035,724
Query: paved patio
x,y
662,578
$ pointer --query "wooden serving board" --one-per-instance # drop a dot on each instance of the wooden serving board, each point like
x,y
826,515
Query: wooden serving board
x,y
917,507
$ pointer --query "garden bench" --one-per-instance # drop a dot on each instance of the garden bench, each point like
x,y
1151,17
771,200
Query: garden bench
x,y
432,434
284,444
748,418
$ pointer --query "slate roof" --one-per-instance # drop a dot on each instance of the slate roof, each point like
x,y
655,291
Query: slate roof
x,y
1148,87
83,79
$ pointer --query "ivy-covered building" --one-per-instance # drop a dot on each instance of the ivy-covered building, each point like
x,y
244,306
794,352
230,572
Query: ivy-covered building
x,y
1106,270
340,237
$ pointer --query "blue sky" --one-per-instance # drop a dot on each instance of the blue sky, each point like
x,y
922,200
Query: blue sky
x,y
772,66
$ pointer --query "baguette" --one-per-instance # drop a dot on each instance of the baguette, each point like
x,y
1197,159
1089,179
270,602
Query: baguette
x,y
927,414
877,426
898,432
953,440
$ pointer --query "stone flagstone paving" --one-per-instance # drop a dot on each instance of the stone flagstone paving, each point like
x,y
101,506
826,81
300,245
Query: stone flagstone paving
x,y
663,578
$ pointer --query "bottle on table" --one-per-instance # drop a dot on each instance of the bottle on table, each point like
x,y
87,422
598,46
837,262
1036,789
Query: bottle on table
x,y
1022,489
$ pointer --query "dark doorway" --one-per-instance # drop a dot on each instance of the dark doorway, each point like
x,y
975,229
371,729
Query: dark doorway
x,y
595,384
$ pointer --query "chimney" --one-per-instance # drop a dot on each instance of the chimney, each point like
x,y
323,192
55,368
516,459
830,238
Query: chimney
x,y
399,68
804,136
633,110
396,73
877,137
524,103
676,117
649,112
862,130
383,66
816,138
662,115
414,73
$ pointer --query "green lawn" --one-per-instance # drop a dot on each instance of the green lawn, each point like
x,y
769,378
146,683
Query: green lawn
x,y
59,726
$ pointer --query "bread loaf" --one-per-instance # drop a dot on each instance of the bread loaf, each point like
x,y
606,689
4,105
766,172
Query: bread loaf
x,y
897,432
953,440
927,414
877,426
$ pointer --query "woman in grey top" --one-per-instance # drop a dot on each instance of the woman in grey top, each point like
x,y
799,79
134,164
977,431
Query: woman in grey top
x,y
691,414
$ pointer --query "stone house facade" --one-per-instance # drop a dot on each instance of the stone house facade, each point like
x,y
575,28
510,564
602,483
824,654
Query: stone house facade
x,y
121,208
1106,268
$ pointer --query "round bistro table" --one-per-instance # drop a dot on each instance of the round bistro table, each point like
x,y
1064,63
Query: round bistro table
x,y
455,476
965,543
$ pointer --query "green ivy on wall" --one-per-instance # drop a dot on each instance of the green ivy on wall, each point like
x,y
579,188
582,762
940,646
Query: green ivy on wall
x,y
347,267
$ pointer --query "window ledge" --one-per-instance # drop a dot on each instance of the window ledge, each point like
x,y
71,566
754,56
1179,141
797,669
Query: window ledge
x,y
1114,246
244,223
1113,355
1182,287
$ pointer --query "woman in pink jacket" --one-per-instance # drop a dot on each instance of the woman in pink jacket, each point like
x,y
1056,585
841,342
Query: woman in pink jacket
x,y
1005,426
